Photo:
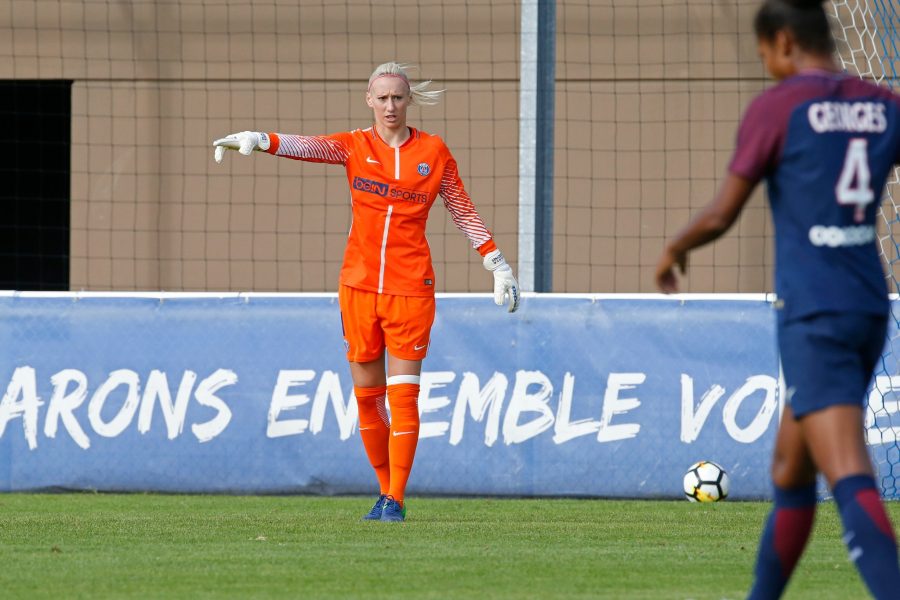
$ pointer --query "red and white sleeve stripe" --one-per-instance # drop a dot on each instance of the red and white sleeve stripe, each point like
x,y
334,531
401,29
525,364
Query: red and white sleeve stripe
x,y
311,148
462,211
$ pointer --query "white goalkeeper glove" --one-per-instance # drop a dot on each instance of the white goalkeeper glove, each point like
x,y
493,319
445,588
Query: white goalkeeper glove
x,y
244,142
506,288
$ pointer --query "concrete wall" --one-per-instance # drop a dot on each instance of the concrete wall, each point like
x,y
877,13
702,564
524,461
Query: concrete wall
x,y
649,95
649,98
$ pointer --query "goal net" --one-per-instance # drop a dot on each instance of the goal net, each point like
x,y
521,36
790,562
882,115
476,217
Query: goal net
x,y
869,46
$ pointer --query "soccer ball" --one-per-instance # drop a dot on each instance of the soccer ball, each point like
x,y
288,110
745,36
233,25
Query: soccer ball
x,y
705,481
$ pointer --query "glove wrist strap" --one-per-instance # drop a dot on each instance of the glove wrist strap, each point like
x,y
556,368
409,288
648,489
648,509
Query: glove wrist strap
x,y
494,260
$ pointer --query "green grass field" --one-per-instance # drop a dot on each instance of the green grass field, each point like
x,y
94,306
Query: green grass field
x,y
107,545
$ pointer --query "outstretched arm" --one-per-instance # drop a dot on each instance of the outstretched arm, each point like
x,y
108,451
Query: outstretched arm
x,y
708,225
311,148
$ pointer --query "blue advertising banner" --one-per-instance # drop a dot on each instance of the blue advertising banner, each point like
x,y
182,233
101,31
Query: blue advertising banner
x,y
572,395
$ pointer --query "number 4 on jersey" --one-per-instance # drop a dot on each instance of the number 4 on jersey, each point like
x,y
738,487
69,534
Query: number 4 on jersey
x,y
854,184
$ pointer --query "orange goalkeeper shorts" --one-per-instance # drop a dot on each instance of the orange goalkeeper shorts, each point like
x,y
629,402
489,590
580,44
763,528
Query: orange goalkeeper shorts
x,y
373,322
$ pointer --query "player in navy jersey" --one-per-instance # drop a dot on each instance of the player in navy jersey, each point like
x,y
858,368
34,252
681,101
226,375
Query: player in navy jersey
x,y
825,143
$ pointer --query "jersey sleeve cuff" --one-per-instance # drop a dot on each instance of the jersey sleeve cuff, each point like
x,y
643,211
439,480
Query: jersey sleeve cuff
x,y
485,248
274,143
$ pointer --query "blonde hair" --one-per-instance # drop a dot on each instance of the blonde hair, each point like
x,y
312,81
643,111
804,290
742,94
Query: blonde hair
x,y
419,93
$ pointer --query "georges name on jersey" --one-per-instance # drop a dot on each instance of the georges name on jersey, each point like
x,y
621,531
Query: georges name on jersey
x,y
836,158
854,185
825,143
856,117
848,147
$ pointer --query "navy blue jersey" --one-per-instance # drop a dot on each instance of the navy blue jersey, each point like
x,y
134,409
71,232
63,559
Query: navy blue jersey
x,y
825,143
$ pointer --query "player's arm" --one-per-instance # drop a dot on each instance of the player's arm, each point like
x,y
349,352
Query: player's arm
x,y
467,219
708,225
331,149
759,141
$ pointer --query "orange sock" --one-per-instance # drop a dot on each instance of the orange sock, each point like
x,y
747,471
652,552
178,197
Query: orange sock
x,y
403,395
375,431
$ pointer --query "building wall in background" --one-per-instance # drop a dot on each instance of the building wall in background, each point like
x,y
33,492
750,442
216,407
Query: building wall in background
x,y
648,99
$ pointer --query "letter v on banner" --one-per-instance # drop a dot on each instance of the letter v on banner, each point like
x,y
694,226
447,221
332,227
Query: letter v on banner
x,y
691,421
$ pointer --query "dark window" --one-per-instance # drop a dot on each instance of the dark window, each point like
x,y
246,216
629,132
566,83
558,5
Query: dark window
x,y
35,126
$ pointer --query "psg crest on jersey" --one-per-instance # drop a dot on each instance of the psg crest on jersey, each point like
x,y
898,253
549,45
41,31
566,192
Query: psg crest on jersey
x,y
423,169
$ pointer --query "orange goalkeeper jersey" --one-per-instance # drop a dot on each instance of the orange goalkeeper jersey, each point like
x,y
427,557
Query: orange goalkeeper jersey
x,y
391,191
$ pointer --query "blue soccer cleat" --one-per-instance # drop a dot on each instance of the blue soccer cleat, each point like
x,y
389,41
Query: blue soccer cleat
x,y
392,510
377,509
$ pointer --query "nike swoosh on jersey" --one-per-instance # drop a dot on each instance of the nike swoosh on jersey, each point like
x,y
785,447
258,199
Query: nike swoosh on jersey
x,y
396,433
371,160
417,348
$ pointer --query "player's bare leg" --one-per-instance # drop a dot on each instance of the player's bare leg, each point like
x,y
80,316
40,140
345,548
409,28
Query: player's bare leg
x,y
790,522
400,366
792,463
836,439
368,374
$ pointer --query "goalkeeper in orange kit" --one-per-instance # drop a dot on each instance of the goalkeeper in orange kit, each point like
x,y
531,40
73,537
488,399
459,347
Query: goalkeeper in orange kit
x,y
386,291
